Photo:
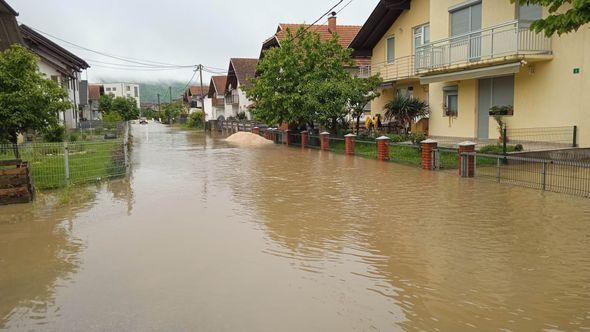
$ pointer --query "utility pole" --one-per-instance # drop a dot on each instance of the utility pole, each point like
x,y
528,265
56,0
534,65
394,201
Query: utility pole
x,y
202,93
170,91
159,108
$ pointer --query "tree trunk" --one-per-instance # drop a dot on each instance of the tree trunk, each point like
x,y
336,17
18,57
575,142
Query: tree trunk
x,y
358,124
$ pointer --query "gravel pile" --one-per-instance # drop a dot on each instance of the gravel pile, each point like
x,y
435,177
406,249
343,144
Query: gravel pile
x,y
248,139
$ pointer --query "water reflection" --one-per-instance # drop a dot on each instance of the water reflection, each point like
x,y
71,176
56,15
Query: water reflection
x,y
39,251
451,254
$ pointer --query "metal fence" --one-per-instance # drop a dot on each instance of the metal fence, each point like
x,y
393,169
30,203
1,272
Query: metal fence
x,y
569,177
543,137
55,165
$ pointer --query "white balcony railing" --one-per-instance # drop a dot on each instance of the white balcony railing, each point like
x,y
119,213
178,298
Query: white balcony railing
x,y
507,39
400,68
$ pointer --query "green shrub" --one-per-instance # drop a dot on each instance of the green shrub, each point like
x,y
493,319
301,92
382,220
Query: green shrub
x,y
417,138
54,134
196,120
364,137
112,117
497,149
396,138
74,137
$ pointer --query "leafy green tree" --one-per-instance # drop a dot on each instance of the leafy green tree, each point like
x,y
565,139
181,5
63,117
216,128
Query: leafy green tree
x,y
126,108
565,15
304,81
363,91
28,100
402,110
172,111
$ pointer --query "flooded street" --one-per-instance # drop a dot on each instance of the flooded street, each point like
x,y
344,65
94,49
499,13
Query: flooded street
x,y
209,237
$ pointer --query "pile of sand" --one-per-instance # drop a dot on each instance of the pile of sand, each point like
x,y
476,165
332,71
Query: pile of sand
x,y
243,138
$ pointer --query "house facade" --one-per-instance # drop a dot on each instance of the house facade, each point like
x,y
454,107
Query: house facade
x,y
124,90
239,73
9,30
63,67
214,102
464,57
194,97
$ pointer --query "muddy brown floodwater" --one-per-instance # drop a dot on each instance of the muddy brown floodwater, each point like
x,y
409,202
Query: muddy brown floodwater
x,y
205,236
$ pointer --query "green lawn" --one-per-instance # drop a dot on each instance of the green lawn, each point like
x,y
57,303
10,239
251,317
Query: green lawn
x,y
88,161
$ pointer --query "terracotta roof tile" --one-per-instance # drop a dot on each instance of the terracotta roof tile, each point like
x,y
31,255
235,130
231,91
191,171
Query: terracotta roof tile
x,y
196,90
244,69
346,32
219,83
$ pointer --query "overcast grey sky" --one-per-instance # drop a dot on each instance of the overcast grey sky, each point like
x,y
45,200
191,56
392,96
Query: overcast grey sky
x,y
185,32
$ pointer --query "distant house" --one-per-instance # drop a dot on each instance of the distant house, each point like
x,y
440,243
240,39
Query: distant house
x,y
240,71
61,66
193,97
126,90
94,93
214,102
9,31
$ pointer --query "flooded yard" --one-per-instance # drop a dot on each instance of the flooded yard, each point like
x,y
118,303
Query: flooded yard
x,y
205,236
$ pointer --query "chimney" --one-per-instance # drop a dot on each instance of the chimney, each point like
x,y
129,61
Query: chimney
x,y
332,23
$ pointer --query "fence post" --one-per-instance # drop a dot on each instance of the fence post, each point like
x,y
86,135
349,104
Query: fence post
x,y
428,150
383,148
575,138
304,139
256,130
544,176
466,162
504,140
67,162
325,141
126,147
498,167
350,142
287,139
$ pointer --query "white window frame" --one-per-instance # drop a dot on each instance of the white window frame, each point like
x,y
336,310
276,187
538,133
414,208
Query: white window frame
x,y
387,50
452,90
419,31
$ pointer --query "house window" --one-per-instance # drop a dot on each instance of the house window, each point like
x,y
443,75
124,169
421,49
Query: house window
x,y
528,13
406,92
136,91
128,88
108,89
390,52
451,98
500,91
114,89
421,35
466,19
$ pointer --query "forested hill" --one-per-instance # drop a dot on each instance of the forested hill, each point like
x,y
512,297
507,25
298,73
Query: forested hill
x,y
149,91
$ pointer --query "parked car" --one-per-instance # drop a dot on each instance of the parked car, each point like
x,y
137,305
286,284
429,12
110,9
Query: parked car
x,y
143,121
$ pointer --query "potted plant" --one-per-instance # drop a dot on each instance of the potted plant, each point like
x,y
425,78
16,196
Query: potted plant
x,y
499,112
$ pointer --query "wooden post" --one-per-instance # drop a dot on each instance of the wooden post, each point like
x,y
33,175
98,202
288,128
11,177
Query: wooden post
x,y
256,130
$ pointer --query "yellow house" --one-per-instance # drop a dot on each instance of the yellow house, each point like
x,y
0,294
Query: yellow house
x,y
466,56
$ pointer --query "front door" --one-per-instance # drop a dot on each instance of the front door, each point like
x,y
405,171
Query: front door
x,y
484,102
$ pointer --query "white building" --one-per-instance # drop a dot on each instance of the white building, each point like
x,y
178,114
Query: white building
x,y
215,99
238,77
63,67
123,90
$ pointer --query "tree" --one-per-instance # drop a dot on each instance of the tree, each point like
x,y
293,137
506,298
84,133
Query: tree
x,y
560,20
172,110
126,108
364,90
403,110
28,100
304,81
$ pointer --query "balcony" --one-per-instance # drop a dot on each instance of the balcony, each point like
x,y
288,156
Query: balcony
x,y
401,68
232,97
504,42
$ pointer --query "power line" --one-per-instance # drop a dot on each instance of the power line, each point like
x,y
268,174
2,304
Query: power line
x,y
121,58
319,19
134,66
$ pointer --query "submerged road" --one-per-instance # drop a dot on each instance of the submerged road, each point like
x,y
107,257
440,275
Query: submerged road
x,y
209,237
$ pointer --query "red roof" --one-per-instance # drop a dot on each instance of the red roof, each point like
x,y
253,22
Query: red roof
x,y
218,83
195,90
345,32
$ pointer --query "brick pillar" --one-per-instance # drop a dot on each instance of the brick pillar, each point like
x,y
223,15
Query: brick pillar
x,y
287,138
325,141
428,161
256,130
467,147
383,148
350,142
304,139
